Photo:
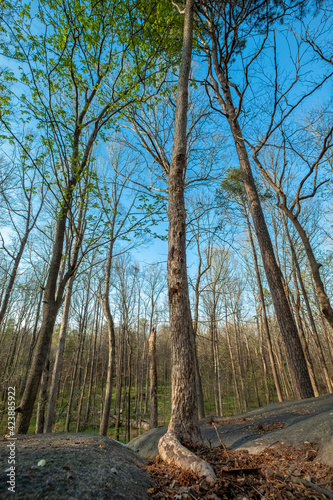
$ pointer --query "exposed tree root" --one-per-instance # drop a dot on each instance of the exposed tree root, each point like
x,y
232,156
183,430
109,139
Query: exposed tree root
x,y
172,452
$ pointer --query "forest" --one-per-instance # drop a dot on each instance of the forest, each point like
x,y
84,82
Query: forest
x,y
165,211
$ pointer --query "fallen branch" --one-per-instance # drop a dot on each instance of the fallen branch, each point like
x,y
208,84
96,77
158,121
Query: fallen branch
x,y
309,484
172,452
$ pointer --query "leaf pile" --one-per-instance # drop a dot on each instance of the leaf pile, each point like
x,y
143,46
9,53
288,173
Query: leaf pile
x,y
282,472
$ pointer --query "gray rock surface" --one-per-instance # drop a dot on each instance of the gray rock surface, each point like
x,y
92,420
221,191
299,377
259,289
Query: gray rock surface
x,y
78,467
290,422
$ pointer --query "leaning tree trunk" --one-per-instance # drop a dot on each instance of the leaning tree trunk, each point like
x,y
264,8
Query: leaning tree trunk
x,y
57,367
184,424
263,309
284,316
51,304
153,421
326,307
308,308
58,362
283,313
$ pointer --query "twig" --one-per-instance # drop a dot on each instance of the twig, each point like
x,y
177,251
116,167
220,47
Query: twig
x,y
223,445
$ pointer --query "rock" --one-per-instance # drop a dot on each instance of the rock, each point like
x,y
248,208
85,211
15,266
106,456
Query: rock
x,y
100,468
305,420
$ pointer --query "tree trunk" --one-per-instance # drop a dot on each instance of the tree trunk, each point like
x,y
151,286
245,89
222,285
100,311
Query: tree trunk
x,y
79,408
284,316
309,312
153,420
51,305
232,362
184,412
184,424
263,359
111,339
74,372
305,348
326,307
119,386
33,340
57,367
92,365
42,397
201,406
263,310
283,313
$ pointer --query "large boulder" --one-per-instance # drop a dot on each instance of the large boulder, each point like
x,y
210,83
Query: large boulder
x,y
77,467
290,422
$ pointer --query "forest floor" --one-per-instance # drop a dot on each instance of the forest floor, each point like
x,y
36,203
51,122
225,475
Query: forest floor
x,y
289,456
280,451
281,472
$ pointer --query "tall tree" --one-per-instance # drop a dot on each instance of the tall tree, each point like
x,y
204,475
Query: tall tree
x,y
229,26
184,424
87,67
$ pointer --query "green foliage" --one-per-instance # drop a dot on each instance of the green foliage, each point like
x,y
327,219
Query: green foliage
x,y
233,187
79,65
232,183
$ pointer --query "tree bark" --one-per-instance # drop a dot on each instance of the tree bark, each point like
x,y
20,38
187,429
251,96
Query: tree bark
x,y
57,367
184,412
284,316
51,305
111,341
283,313
263,310
42,397
153,420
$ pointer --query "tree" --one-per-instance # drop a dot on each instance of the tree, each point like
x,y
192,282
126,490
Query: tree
x,y
221,44
121,222
78,229
78,84
310,165
233,186
153,415
184,425
20,210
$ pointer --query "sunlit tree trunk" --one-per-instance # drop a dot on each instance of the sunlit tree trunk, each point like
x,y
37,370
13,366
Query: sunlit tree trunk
x,y
283,313
263,310
184,411
153,421
57,367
